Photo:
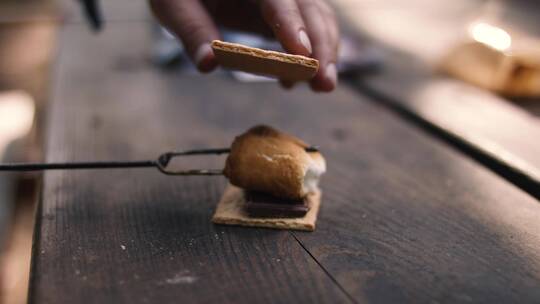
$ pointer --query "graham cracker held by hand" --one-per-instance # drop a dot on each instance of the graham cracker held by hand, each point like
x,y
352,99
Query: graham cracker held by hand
x,y
270,63
230,211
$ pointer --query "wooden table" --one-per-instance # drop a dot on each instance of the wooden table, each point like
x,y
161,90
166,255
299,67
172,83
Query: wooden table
x,y
405,216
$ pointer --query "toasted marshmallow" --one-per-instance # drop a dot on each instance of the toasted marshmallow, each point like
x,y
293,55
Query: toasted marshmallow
x,y
266,160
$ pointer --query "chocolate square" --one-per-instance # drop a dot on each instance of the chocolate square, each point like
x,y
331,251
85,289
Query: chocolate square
x,y
267,206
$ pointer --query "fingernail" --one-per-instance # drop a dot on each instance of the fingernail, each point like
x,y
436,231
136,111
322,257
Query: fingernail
x,y
331,73
304,39
202,52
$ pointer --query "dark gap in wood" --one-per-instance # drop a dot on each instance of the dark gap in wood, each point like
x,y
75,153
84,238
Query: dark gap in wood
x,y
349,296
506,171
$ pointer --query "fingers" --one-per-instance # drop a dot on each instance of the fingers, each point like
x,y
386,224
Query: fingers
x,y
323,31
304,27
190,22
285,20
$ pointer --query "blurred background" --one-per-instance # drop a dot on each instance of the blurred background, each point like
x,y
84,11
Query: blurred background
x,y
433,37
27,41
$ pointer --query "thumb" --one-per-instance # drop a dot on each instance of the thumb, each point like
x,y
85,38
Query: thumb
x,y
190,22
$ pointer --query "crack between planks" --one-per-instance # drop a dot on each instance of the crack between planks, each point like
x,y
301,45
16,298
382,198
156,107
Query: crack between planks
x,y
511,174
330,276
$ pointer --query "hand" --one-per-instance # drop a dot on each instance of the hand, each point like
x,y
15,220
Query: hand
x,y
303,27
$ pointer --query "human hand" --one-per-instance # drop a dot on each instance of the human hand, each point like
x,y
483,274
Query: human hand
x,y
303,27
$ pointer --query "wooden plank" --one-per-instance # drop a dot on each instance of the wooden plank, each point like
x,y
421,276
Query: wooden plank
x,y
404,218
137,235
496,131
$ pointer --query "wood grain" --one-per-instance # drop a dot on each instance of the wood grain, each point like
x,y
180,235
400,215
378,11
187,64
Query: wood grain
x,y
404,218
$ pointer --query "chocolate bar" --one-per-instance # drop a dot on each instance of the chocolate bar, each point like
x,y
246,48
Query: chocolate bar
x,y
260,204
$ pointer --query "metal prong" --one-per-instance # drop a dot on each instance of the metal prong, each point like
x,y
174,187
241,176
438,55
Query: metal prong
x,y
200,151
190,172
165,158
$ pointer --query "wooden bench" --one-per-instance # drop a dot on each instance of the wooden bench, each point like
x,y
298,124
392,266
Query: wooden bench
x,y
405,217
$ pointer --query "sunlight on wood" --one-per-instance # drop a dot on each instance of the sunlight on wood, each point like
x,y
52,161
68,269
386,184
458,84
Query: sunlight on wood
x,y
16,116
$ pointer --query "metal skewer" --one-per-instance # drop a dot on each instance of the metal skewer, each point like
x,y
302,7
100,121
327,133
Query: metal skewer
x,y
160,163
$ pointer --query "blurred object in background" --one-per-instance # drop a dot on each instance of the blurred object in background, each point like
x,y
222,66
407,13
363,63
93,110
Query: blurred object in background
x,y
504,61
27,42
17,111
27,29
415,36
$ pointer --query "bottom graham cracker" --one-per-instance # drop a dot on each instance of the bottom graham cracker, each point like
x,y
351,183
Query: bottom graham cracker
x,y
230,211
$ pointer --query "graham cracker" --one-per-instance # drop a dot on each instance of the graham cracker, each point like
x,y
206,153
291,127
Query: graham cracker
x,y
230,211
270,63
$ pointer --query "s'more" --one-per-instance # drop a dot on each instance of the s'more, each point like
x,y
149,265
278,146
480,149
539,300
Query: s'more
x,y
273,182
